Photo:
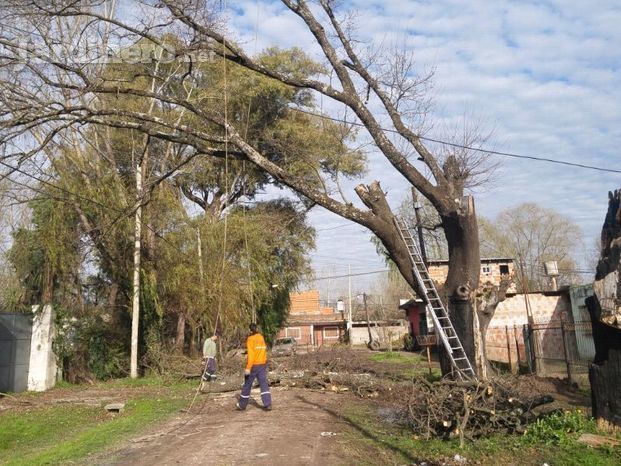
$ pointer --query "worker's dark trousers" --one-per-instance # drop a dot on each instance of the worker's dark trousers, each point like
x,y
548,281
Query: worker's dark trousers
x,y
258,371
210,370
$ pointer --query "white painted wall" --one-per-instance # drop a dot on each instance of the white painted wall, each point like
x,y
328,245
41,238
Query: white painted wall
x,y
360,335
42,368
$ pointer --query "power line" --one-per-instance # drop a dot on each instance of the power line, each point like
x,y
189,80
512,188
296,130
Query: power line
x,y
349,275
342,225
461,146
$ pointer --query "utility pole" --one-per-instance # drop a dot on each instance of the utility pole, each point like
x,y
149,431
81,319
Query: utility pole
x,y
136,282
349,314
419,225
366,311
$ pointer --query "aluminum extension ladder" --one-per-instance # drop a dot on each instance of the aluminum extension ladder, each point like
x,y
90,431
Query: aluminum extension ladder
x,y
435,307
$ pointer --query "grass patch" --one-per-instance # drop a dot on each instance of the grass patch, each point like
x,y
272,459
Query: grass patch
x,y
395,357
65,433
413,365
373,439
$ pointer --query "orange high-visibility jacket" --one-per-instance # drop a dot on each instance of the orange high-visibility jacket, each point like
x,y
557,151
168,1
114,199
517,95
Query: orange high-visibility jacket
x,y
257,350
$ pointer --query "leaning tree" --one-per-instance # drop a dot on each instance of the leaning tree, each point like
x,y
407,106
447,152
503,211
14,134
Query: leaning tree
x,y
379,91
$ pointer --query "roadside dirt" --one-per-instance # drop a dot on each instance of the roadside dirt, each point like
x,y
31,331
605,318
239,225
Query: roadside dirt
x,y
302,429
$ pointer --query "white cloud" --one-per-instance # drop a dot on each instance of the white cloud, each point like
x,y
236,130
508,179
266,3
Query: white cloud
x,y
546,74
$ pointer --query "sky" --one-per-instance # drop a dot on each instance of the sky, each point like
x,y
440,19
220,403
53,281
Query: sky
x,y
544,77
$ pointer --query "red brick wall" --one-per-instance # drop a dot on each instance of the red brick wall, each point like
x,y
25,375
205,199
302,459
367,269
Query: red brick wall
x,y
547,310
302,334
438,273
306,302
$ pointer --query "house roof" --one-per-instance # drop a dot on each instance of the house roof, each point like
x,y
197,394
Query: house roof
x,y
411,303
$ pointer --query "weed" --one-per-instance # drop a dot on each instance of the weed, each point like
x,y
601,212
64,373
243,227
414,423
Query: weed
x,y
561,428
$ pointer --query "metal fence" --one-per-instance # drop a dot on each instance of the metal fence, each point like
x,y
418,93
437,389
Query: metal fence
x,y
15,334
551,349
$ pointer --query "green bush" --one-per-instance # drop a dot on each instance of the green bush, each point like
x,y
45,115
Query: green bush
x,y
409,343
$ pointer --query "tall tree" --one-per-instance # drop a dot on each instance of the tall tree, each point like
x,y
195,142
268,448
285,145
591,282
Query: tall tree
x,y
381,92
533,235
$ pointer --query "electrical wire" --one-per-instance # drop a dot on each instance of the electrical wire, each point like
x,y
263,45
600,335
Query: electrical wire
x,y
349,275
461,146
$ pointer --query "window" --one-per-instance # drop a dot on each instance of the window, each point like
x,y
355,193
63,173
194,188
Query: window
x,y
293,332
486,269
330,333
504,269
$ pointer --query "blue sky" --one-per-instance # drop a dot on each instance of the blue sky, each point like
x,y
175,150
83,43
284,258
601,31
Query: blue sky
x,y
545,77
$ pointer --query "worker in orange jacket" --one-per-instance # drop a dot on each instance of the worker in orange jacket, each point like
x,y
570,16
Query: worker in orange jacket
x,y
256,368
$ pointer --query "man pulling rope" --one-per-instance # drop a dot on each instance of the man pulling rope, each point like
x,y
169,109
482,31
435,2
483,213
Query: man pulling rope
x,y
209,359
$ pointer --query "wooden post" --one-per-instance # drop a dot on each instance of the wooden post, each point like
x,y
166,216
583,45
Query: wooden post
x,y
528,346
428,358
517,346
508,348
565,352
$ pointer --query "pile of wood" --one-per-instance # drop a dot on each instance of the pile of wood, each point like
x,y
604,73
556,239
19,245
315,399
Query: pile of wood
x,y
468,410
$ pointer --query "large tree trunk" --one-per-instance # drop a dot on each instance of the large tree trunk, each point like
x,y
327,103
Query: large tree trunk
x,y
462,236
605,371
460,288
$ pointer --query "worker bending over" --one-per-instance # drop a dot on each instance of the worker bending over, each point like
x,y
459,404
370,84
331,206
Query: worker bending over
x,y
256,367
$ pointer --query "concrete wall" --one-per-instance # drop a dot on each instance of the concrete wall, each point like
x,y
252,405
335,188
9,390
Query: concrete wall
x,y
360,334
42,366
15,337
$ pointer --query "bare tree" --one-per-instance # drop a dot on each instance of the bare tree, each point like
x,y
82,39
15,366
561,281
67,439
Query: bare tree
x,y
533,235
381,92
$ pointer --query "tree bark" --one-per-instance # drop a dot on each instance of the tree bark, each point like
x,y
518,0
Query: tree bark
x,y
605,312
180,338
462,236
136,278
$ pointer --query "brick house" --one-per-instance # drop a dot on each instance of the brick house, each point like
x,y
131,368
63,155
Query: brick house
x,y
492,270
312,324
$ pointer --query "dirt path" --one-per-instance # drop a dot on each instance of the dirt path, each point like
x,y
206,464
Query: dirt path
x,y
302,429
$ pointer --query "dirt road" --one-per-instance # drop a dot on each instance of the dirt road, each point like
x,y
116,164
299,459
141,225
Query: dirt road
x,y
302,429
